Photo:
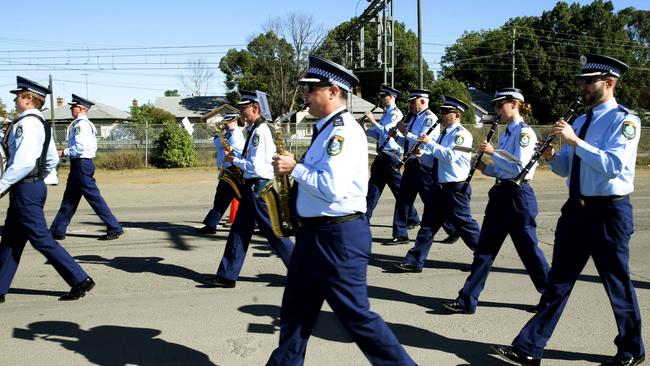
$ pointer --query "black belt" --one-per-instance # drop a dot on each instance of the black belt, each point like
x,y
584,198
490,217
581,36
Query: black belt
x,y
449,185
500,182
31,179
593,200
328,220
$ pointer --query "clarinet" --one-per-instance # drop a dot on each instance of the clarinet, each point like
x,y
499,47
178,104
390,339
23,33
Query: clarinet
x,y
363,119
493,129
568,117
391,132
416,146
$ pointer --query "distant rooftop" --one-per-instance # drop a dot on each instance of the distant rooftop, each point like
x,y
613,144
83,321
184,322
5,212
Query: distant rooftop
x,y
99,111
189,106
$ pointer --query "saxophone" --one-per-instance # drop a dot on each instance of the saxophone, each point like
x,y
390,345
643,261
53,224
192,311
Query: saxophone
x,y
232,174
278,201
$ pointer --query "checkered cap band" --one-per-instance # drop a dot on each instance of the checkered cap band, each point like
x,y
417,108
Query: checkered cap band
x,y
330,77
602,68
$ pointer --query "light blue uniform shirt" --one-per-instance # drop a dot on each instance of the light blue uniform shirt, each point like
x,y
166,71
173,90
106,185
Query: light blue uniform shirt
x,y
333,178
608,152
519,140
379,131
259,154
234,138
453,165
82,139
25,144
417,127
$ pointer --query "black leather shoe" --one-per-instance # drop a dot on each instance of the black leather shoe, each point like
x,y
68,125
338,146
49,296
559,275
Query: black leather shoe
x,y
79,290
206,230
2,298
111,236
456,307
218,281
451,239
624,361
58,237
405,267
511,354
413,226
397,241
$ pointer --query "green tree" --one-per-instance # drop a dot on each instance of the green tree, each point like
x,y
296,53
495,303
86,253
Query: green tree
x,y
174,148
266,65
147,115
3,110
172,93
547,52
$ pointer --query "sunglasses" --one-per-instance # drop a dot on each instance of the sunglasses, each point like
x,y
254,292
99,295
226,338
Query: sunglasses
x,y
589,79
310,87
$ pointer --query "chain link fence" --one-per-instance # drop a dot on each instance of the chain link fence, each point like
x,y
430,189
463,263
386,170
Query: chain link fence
x,y
141,140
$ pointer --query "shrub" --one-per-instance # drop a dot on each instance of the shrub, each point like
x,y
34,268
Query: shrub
x,y
174,148
119,160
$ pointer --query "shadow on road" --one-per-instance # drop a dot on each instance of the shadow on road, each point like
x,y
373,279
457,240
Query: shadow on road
x,y
114,345
474,353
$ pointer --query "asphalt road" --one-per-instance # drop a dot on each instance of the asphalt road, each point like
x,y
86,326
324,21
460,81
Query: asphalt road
x,y
150,307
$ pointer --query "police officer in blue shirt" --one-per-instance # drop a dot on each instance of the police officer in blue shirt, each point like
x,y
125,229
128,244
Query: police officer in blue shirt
x,y
255,162
333,241
82,146
385,168
31,154
417,178
449,160
598,158
225,193
511,208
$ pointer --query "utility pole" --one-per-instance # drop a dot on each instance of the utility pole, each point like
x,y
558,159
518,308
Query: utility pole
x,y
86,75
421,76
52,108
514,32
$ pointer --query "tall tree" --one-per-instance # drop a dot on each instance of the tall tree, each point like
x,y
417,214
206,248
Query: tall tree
x,y
267,65
197,78
3,110
547,52
172,93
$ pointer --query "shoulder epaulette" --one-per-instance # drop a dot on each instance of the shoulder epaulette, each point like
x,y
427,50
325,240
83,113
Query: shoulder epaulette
x,y
626,109
338,121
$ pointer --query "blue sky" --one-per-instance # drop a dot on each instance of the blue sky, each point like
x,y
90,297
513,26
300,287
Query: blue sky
x,y
155,31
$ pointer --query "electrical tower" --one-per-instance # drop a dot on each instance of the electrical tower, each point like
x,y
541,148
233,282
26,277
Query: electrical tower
x,y
379,58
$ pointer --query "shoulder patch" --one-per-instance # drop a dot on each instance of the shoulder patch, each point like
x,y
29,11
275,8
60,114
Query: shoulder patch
x,y
629,130
256,140
335,145
394,116
77,130
524,139
459,139
429,121
19,131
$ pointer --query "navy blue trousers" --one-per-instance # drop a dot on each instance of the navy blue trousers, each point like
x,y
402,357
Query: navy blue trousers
x,y
251,209
416,179
510,210
446,203
384,171
25,221
81,182
330,263
222,198
601,231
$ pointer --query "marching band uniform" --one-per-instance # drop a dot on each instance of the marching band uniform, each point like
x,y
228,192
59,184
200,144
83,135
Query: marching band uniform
x,y
333,240
255,163
224,193
31,154
450,168
82,146
417,178
511,209
600,172
385,168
